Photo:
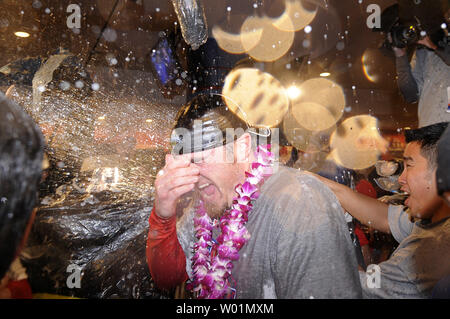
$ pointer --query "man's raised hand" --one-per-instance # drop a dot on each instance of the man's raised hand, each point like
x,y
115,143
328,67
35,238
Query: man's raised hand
x,y
177,178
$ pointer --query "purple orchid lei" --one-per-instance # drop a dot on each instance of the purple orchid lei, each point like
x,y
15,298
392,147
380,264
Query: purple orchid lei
x,y
210,276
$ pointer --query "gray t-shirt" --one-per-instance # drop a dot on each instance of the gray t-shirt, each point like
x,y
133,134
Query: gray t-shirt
x,y
421,259
430,80
300,245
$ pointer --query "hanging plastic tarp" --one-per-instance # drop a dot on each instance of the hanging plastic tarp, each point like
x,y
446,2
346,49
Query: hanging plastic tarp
x,y
94,227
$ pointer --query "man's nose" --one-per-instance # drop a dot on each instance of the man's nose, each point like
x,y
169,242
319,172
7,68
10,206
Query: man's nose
x,y
402,177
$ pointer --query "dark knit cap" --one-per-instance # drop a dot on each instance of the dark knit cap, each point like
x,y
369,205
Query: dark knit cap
x,y
202,125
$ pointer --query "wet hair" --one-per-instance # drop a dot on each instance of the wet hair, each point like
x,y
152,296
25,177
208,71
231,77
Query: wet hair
x,y
21,155
427,137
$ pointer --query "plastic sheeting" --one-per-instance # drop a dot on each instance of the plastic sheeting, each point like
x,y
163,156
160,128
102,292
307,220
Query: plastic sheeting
x,y
104,235
192,21
101,233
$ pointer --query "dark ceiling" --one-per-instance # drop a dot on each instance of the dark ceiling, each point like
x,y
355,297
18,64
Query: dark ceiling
x,y
130,29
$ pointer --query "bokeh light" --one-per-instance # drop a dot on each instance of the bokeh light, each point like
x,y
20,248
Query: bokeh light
x,y
303,139
232,43
264,38
376,66
295,17
273,44
293,92
261,98
320,105
357,143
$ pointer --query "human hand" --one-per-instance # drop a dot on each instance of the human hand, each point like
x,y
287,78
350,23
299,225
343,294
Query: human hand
x,y
177,178
428,43
399,52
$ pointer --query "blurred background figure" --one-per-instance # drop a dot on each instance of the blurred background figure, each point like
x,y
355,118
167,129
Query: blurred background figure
x,y
418,32
443,173
21,158
442,288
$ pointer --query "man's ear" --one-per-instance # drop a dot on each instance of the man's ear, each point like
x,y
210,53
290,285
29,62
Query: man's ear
x,y
243,148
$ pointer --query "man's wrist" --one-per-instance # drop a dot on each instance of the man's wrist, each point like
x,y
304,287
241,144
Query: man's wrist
x,y
163,218
399,52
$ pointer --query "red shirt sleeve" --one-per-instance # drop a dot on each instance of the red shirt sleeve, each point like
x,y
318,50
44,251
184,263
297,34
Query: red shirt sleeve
x,y
20,289
165,257
361,236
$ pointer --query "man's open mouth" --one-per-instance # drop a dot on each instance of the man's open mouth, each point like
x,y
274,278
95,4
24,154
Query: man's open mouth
x,y
206,187
203,186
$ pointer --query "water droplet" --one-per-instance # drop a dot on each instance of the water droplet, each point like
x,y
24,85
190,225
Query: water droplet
x,y
64,85
79,84
37,4
110,35
340,46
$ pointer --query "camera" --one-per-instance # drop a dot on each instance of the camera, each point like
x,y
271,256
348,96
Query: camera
x,y
404,35
403,32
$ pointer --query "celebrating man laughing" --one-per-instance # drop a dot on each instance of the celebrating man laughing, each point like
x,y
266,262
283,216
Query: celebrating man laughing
x,y
250,231
423,255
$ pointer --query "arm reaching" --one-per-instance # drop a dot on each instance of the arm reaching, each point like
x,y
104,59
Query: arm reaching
x,y
367,210
405,80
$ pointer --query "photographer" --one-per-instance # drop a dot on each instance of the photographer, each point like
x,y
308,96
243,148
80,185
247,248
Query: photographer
x,y
428,81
